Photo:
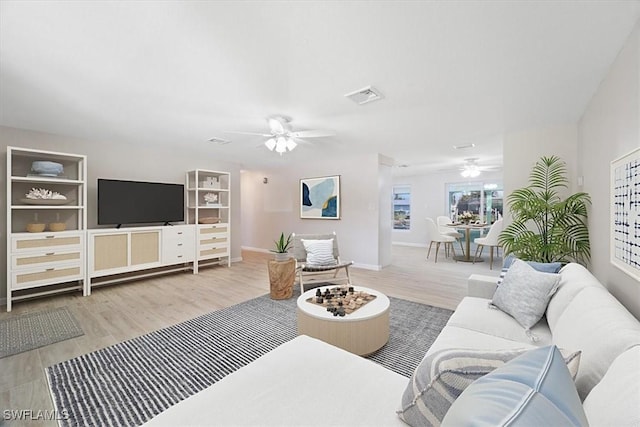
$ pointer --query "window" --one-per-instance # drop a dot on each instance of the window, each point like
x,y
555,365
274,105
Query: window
x,y
482,199
402,207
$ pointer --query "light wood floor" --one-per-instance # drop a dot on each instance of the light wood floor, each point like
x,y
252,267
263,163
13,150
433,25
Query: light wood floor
x,y
119,312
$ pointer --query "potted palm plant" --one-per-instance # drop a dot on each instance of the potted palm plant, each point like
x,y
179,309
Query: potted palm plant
x,y
545,227
282,246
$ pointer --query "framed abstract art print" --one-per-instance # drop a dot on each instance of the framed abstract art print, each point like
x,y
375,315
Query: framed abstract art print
x,y
625,213
320,197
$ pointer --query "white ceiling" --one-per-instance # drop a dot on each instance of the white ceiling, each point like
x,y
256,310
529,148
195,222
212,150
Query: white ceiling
x,y
178,73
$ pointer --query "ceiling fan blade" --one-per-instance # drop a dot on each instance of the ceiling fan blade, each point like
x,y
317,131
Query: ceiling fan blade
x,y
248,133
312,133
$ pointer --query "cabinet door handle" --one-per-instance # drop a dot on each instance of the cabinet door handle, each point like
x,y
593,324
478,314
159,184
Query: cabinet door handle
x,y
179,232
50,269
49,237
179,244
50,253
179,256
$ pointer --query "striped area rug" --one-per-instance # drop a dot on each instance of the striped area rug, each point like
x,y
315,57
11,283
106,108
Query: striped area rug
x,y
130,382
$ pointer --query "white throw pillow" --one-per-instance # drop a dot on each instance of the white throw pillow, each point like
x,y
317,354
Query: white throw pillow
x,y
319,252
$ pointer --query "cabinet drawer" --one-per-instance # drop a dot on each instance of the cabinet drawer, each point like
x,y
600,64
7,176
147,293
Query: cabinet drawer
x,y
213,229
24,279
45,241
213,241
44,259
178,233
177,255
213,252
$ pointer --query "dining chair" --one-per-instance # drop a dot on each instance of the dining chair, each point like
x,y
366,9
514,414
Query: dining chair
x,y
436,236
490,240
448,231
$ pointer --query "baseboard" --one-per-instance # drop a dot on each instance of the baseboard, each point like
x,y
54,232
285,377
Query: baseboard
x,y
414,245
252,249
237,259
367,266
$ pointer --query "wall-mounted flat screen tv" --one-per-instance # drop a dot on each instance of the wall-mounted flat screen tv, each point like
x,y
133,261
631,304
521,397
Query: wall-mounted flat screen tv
x,y
134,202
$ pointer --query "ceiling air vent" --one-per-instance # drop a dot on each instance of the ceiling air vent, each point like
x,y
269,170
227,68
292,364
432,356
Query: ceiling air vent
x,y
364,95
219,141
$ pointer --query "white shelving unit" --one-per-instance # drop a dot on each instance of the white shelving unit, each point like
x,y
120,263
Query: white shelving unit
x,y
49,261
208,199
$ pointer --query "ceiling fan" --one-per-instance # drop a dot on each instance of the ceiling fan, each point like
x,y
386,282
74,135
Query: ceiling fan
x,y
282,137
471,169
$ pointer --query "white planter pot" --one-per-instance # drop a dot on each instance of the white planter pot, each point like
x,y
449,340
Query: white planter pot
x,y
282,256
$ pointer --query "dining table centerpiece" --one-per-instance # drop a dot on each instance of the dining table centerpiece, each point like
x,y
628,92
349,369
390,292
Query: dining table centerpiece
x,y
466,217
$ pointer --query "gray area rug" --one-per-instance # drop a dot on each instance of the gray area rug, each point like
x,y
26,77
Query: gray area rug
x,y
27,331
130,382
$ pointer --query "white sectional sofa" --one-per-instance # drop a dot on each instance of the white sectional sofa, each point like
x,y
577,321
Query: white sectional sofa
x,y
308,382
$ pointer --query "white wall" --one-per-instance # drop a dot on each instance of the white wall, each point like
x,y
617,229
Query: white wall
x,y
269,209
610,128
106,159
385,209
522,150
429,200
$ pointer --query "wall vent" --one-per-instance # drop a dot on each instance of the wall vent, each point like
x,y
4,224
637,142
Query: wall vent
x,y
463,147
364,95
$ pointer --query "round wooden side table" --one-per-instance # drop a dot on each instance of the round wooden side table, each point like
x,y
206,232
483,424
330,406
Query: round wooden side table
x,y
282,274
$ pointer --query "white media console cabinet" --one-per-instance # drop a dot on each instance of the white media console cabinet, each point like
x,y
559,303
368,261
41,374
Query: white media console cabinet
x,y
117,254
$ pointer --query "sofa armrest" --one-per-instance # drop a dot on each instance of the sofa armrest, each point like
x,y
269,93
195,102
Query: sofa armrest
x,y
481,286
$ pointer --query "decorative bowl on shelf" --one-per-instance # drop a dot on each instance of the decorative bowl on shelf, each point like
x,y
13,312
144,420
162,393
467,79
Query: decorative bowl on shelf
x,y
46,168
209,220
45,201
35,227
57,226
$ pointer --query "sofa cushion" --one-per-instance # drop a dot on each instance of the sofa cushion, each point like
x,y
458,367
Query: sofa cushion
x,y
596,323
573,279
441,377
525,293
290,386
615,400
534,389
476,315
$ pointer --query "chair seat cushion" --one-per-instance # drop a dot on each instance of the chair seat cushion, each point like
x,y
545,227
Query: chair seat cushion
x,y
313,267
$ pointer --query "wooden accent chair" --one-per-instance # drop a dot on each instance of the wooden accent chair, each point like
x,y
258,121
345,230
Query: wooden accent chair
x,y
309,273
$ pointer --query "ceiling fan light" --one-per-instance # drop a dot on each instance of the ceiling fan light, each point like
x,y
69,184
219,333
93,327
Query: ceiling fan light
x,y
281,145
466,173
291,144
270,143
474,173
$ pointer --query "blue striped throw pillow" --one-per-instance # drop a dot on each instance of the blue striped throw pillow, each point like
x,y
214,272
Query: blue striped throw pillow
x,y
440,378
319,252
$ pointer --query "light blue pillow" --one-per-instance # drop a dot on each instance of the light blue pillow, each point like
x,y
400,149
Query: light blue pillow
x,y
534,389
543,267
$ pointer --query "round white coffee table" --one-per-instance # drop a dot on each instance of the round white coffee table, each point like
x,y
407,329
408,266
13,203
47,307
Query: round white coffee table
x,y
361,332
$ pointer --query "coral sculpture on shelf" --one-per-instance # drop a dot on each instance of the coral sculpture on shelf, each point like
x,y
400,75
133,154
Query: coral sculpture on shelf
x,y
41,193
211,198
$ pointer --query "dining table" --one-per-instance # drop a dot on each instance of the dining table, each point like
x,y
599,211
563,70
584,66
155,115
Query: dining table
x,y
466,257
